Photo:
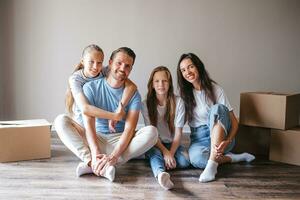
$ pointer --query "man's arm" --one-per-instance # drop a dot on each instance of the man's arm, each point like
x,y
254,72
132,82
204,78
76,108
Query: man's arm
x,y
98,160
129,130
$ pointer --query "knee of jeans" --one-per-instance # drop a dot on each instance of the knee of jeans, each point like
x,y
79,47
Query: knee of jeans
x,y
199,160
153,151
218,109
183,160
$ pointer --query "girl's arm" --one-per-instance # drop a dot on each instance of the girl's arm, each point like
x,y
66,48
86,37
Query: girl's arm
x,y
170,161
93,111
176,140
130,89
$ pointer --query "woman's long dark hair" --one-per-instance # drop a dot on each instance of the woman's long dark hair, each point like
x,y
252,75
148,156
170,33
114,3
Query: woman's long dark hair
x,y
152,101
186,88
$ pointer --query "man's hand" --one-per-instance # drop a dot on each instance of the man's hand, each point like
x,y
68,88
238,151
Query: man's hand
x,y
98,164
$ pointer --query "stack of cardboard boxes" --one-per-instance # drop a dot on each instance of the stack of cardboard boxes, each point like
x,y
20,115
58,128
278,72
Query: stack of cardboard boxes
x,y
269,126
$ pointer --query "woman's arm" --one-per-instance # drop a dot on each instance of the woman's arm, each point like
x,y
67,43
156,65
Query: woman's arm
x,y
234,127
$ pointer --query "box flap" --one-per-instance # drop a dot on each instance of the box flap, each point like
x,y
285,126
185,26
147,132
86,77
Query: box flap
x,y
24,123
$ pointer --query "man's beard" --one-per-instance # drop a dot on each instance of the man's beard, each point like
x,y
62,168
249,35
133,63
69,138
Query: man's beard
x,y
117,76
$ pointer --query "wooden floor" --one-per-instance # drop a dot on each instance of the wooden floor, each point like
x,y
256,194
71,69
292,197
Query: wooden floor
x,y
55,179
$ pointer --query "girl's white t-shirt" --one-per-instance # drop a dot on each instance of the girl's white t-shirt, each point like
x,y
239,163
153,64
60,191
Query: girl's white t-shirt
x,y
200,114
76,82
162,126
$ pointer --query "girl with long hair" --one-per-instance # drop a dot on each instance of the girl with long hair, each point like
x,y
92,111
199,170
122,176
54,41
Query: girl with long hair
x,y
165,111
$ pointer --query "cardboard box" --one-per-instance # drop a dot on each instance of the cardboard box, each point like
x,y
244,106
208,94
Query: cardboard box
x,y
24,140
254,140
285,146
269,110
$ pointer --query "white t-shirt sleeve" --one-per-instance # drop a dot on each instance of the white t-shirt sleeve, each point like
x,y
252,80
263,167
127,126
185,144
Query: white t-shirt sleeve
x,y
145,113
75,85
179,113
221,97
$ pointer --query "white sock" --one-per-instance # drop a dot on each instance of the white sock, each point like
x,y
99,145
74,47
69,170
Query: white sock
x,y
240,157
209,172
110,173
165,181
82,169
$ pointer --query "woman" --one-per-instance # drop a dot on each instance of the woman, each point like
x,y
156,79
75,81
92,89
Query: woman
x,y
210,117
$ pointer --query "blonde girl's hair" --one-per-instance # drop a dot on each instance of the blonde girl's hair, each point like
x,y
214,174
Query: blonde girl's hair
x,y
69,96
152,101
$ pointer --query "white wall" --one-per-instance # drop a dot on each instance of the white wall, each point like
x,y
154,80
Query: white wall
x,y
246,45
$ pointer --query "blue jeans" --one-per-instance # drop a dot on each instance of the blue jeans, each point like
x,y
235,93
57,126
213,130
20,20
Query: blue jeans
x,y
157,161
199,150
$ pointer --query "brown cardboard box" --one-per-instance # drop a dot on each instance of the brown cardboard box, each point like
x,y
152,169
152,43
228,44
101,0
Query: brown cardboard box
x,y
269,110
24,140
254,140
285,146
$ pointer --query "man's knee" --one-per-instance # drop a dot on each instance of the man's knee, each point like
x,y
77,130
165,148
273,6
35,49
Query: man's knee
x,y
60,121
150,132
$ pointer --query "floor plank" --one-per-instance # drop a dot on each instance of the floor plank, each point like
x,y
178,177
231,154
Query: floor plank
x,y
55,179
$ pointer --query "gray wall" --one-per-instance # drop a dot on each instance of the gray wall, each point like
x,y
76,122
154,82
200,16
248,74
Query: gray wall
x,y
246,45
2,19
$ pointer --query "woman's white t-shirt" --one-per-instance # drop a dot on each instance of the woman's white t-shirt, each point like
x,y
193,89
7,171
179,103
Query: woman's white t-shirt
x,y
200,114
162,126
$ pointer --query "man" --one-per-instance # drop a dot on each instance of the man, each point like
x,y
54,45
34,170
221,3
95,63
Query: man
x,y
108,149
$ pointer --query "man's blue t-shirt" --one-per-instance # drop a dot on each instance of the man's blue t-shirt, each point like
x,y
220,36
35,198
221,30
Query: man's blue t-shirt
x,y
100,94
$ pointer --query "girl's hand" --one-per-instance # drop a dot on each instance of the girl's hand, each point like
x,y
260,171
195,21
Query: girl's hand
x,y
119,115
112,125
170,161
120,112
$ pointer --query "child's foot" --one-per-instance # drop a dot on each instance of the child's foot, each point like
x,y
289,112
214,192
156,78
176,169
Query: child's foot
x,y
209,172
240,157
110,173
165,181
82,169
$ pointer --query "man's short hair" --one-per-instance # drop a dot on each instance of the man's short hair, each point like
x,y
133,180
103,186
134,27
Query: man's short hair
x,y
126,50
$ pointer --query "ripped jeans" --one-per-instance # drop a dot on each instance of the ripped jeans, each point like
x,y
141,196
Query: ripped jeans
x,y
199,150
157,161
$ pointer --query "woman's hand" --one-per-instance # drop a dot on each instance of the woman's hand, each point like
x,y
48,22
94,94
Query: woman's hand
x,y
219,149
170,161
